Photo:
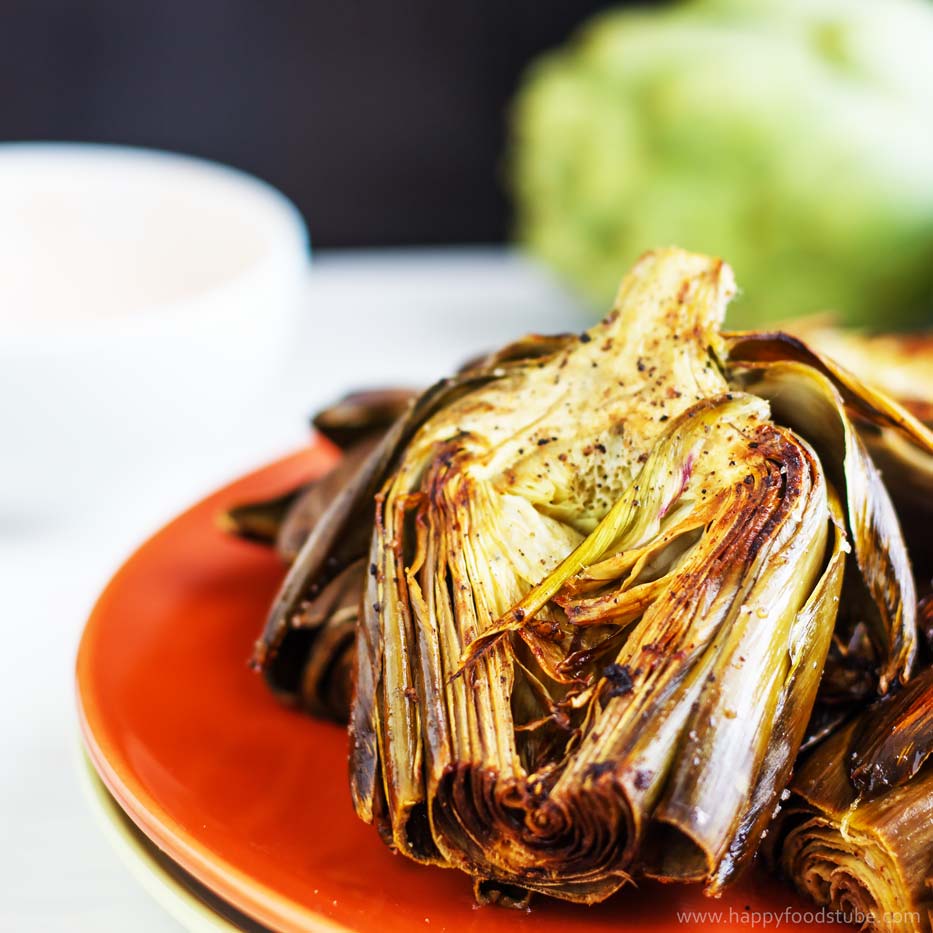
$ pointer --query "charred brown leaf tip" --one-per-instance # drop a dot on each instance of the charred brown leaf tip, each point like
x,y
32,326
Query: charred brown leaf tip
x,y
261,520
360,415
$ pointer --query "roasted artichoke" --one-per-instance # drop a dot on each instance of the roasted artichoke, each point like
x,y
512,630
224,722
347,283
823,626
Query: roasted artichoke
x,y
603,576
857,835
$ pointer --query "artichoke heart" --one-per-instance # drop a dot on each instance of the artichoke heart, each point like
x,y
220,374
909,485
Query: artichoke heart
x,y
599,581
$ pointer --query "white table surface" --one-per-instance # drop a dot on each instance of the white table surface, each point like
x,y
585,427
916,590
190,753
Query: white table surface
x,y
373,317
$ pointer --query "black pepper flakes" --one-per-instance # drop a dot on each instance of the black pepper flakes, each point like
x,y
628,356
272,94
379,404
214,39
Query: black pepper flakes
x,y
597,769
618,680
642,778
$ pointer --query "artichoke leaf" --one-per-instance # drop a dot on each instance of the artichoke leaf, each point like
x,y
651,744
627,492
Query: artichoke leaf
x,y
261,520
863,400
809,641
907,471
804,398
325,680
354,423
895,739
361,416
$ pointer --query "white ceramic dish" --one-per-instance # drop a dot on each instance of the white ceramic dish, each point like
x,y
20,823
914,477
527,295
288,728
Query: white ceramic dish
x,y
144,299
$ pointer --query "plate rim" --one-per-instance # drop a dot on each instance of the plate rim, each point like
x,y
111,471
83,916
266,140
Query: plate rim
x,y
245,893
129,844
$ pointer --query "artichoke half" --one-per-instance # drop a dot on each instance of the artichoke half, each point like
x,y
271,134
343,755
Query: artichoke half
x,y
858,833
602,581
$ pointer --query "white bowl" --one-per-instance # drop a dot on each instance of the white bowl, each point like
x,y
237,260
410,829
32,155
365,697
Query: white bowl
x,y
144,301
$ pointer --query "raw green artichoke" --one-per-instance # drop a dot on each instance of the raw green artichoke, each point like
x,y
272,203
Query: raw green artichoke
x,y
794,136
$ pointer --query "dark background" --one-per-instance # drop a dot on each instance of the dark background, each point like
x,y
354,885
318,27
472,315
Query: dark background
x,y
384,120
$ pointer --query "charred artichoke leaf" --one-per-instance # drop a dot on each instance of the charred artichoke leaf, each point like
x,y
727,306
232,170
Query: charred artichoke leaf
x,y
354,423
897,364
925,624
809,641
705,555
863,400
908,466
310,506
524,350
805,399
894,740
908,475
867,848
261,520
314,669
901,365
362,415
339,538
328,623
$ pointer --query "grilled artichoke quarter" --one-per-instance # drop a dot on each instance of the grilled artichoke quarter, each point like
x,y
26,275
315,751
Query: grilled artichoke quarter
x,y
601,585
857,834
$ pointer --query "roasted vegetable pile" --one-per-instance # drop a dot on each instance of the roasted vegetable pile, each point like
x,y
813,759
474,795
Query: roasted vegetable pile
x,y
587,593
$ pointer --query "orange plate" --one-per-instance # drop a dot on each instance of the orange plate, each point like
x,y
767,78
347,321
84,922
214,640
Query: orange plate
x,y
251,798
